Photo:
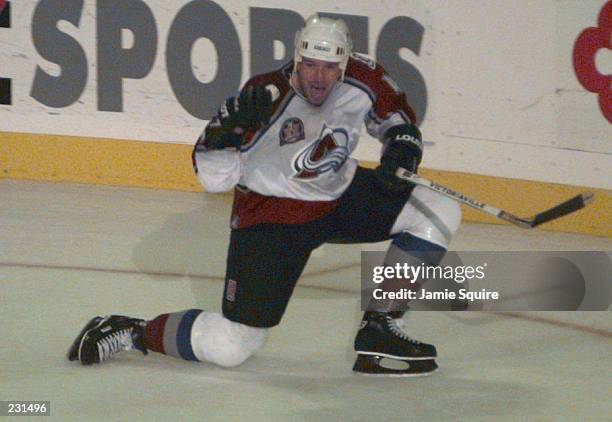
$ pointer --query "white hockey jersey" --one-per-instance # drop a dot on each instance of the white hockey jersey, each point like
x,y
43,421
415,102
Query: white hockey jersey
x,y
294,169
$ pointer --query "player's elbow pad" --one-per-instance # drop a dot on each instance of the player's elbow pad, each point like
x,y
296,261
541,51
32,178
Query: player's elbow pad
x,y
218,171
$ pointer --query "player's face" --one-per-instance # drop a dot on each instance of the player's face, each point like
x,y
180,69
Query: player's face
x,y
316,78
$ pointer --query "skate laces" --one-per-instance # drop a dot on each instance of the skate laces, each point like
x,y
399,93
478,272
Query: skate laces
x,y
397,327
114,343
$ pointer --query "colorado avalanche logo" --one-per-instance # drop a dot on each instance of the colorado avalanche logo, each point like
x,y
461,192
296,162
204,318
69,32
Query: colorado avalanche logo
x,y
329,152
292,130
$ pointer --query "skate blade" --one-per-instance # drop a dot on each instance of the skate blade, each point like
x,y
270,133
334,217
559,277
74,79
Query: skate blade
x,y
370,365
395,357
73,352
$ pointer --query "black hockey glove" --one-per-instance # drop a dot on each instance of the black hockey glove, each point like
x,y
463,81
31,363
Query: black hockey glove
x,y
404,148
251,108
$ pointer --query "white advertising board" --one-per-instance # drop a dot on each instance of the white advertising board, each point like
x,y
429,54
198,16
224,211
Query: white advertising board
x,y
493,83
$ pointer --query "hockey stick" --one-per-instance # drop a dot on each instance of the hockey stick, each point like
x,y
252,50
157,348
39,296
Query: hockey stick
x,y
571,205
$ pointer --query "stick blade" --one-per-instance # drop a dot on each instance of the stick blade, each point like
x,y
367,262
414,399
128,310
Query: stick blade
x,y
571,205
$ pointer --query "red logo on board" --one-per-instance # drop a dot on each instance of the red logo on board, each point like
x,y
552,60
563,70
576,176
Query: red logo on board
x,y
589,42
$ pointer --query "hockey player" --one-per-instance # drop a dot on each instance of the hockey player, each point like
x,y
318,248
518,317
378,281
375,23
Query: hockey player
x,y
284,145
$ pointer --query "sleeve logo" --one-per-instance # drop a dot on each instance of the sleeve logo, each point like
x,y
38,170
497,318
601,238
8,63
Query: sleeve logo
x,y
365,60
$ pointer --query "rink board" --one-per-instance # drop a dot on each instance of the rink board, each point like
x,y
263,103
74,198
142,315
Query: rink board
x,y
168,166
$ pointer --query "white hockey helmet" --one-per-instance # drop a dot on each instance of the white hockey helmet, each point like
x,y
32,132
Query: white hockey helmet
x,y
324,39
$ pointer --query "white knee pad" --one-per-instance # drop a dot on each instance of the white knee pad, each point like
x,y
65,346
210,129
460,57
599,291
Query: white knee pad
x,y
216,339
429,216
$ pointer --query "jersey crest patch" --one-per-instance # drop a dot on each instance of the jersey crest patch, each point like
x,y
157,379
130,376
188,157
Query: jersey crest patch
x,y
292,130
328,153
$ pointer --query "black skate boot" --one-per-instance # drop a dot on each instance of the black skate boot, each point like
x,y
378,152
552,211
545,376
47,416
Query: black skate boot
x,y
104,337
381,336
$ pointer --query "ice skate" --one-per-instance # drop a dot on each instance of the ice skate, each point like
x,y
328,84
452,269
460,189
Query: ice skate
x,y
103,337
380,337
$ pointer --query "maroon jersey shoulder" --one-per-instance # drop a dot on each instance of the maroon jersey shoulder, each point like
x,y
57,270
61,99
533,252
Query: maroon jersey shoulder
x,y
371,76
278,78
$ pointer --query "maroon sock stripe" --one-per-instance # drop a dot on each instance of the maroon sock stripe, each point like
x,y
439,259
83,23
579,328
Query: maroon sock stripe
x,y
154,334
170,334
